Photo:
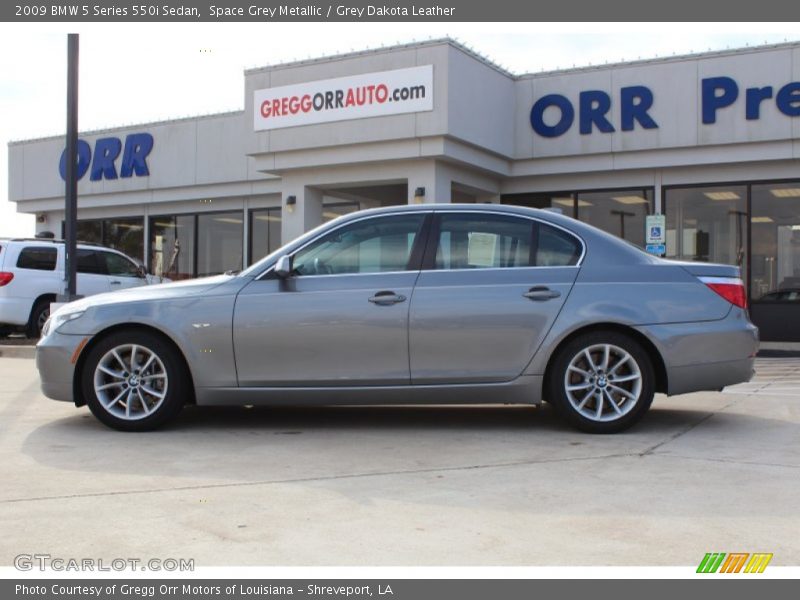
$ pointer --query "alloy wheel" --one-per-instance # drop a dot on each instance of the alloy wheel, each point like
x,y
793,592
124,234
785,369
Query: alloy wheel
x,y
130,381
603,382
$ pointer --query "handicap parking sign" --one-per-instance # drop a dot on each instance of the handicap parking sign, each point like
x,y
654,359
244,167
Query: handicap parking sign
x,y
654,229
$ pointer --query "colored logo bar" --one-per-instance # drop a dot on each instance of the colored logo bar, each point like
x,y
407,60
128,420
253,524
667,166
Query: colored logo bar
x,y
734,562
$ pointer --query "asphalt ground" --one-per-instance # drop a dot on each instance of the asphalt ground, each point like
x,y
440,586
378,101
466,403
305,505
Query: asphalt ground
x,y
481,485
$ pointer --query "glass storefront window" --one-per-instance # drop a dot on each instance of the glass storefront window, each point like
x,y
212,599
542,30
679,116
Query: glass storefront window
x,y
561,202
707,224
775,230
219,242
619,212
90,232
172,246
265,232
125,234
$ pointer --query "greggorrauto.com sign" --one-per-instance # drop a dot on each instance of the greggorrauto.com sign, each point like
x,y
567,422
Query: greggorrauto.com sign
x,y
354,97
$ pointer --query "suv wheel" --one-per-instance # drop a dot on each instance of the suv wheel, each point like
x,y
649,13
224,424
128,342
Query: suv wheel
x,y
134,381
39,316
602,382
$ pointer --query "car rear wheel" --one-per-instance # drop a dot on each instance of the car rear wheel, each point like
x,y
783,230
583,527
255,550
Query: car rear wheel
x,y
602,382
134,381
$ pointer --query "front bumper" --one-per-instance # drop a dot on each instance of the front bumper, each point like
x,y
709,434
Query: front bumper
x,y
54,355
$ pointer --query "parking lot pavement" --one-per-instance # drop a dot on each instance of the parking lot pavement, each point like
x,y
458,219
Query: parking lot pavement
x,y
406,486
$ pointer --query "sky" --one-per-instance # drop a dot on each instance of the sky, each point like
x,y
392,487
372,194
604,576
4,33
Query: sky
x,y
138,73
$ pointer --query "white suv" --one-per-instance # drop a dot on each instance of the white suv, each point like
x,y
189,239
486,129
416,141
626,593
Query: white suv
x,y
32,275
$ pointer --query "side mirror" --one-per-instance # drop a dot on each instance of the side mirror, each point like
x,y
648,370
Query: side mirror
x,y
283,268
141,272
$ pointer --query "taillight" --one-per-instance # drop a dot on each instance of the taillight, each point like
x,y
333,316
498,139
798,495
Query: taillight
x,y
730,288
5,277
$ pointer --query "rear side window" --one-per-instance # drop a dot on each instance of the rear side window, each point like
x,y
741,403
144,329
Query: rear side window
x,y
481,241
40,259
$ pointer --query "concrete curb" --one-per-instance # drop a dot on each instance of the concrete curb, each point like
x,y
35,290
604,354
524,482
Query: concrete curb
x,y
17,351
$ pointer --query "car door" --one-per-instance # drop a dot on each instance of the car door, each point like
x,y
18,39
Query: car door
x,y
122,271
92,273
490,289
341,317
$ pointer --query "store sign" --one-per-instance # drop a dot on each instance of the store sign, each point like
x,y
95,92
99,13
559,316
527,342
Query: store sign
x,y
355,97
553,115
103,160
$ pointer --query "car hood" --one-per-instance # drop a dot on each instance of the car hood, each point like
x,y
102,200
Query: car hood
x,y
161,291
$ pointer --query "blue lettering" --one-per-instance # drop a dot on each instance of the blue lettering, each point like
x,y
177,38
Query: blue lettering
x,y
137,147
788,99
84,158
713,101
753,99
636,101
594,105
106,151
564,123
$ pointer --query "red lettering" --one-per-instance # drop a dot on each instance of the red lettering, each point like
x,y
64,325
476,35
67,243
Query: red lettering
x,y
305,103
276,107
284,107
265,109
293,104
350,99
361,96
382,93
370,89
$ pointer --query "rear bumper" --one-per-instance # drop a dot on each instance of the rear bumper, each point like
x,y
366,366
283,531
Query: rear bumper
x,y
54,361
707,355
14,311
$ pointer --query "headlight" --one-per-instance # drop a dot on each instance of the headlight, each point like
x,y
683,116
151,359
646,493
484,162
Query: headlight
x,y
57,319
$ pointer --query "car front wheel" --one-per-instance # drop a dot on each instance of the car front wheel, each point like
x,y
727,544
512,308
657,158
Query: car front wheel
x,y
134,381
602,382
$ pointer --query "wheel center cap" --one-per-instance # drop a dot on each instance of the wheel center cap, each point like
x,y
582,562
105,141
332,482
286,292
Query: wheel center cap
x,y
602,381
133,380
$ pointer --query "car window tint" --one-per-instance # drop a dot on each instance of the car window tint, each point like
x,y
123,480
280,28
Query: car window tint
x,y
41,259
89,262
119,265
474,241
371,246
556,248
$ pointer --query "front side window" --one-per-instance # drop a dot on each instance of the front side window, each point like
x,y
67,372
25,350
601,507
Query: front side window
x,y
40,259
476,241
376,245
91,262
120,266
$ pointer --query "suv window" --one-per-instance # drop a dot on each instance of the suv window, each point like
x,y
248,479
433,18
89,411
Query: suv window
x,y
474,241
119,265
371,246
41,259
91,261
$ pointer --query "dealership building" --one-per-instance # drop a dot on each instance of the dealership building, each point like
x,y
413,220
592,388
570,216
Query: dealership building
x,y
711,141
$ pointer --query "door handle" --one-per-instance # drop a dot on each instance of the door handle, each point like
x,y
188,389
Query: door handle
x,y
115,282
540,293
387,298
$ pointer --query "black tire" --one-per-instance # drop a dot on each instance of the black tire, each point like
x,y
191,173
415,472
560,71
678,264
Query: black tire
x,y
39,315
177,384
5,331
601,390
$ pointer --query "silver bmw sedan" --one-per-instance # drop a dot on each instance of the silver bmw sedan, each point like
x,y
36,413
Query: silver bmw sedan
x,y
434,304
